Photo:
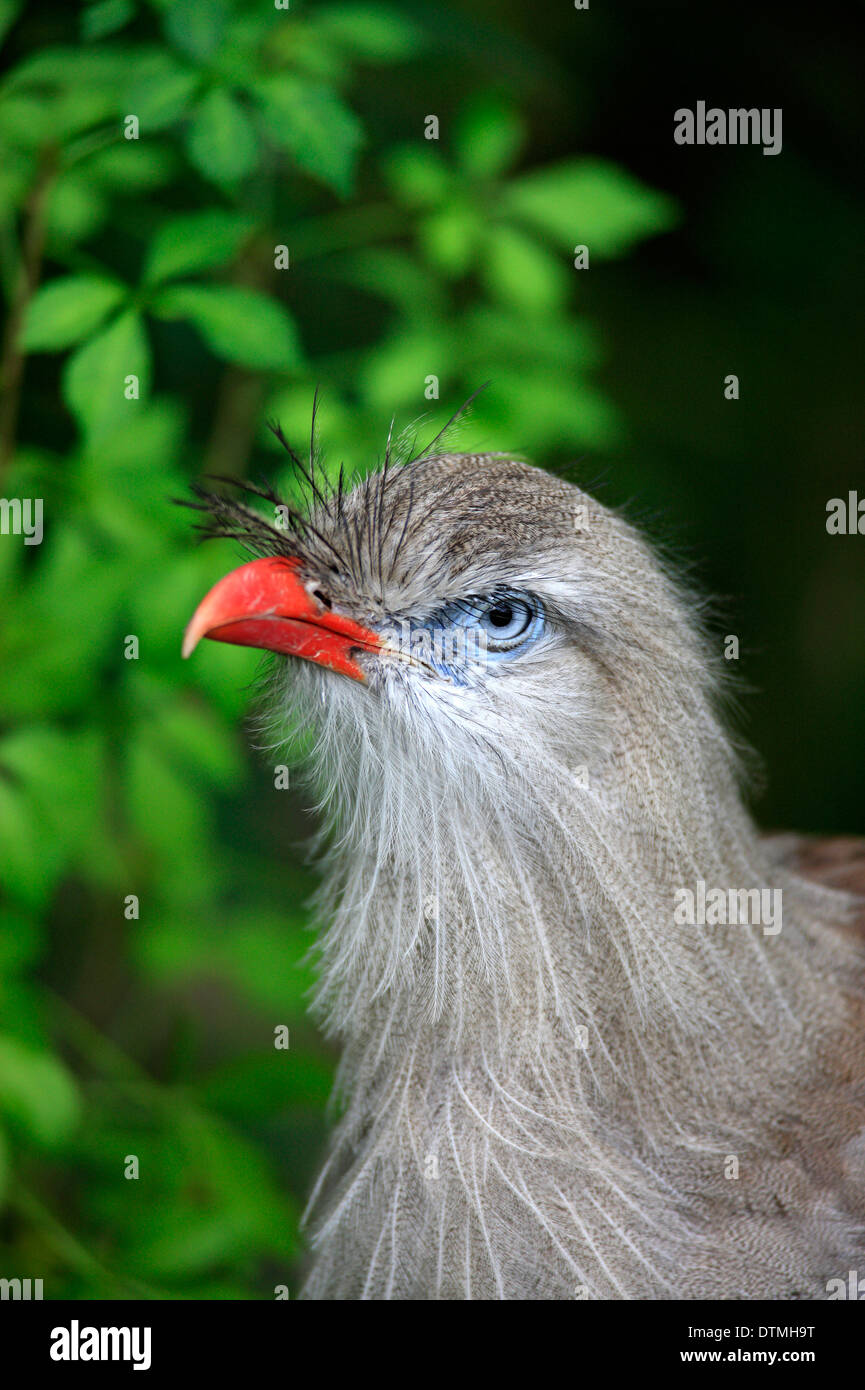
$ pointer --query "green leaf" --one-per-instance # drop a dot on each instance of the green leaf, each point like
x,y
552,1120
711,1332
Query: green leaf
x,y
418,175
25,122
9,11
115,465
314,124
452,236
199,241
94,378
19,942
270,961
376,32
220,1203
196,26
199,741
163,806
30,115
161,90
70,66
264,1083
28,866
105,17
75,209
221,141
556,344
159,611
239,325
131,166
488,136
591,202
267,956
398,277
37,1092
397,370
520,272
69,600
559,419
65,311
62,774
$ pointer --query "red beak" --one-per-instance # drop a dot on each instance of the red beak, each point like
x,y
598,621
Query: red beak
x,y
265,604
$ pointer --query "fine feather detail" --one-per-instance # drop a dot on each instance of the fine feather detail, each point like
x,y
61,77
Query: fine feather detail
x,y
542,1074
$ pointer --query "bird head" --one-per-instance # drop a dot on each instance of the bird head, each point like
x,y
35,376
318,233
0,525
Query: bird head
x,y
460,596
512,719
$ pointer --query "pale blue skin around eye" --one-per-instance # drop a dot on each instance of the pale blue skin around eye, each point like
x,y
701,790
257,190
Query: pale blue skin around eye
x,y
457,631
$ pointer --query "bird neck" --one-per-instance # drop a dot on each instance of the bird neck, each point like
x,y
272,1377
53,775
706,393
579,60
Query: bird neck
x,y
523,1016
584,917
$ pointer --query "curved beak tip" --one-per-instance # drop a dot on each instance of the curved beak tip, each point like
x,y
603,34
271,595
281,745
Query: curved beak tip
x,y
265,604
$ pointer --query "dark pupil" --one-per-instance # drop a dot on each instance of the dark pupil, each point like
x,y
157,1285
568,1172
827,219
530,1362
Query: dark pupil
x,y
501,615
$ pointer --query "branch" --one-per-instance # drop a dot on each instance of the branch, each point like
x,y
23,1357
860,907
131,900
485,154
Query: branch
x,y
11,356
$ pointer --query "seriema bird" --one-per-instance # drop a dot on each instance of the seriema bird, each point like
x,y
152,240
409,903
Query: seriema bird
x,y
551,1086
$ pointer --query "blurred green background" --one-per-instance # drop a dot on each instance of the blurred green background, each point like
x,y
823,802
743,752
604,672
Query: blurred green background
x,y
153,1034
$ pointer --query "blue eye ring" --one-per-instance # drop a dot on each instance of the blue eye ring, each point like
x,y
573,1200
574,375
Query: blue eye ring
x,y
502,623
509,620
470,633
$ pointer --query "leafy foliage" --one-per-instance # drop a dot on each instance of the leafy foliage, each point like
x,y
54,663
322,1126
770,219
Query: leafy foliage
x,y
151,166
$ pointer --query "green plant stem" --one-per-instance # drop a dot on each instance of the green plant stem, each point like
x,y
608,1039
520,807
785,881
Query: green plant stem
x,y
103,1054
234,423
11,356
69,1248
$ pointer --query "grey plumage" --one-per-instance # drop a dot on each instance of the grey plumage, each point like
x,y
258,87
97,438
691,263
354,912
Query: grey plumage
x,y
544,1077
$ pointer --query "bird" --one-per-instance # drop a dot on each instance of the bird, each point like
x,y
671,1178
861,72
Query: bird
x,y
601,1037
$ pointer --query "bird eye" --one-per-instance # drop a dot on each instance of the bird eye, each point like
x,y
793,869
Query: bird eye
x,y
507,621
491,626
471,632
